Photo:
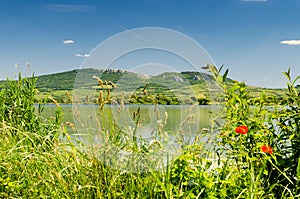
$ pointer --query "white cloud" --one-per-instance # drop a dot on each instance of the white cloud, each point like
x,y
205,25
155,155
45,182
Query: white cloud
x,y
68,41
82,55
255,0
290,42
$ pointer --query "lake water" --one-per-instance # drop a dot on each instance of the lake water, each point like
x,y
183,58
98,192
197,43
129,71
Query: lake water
x,y
170,125
145,121
147,118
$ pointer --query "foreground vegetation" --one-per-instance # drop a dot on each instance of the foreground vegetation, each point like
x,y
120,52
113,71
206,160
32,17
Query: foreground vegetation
x,y
256,151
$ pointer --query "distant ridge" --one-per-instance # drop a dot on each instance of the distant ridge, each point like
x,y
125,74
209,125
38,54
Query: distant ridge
x,y
66,80
188,86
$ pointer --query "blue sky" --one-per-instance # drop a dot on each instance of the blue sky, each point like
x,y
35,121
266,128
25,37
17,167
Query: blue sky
x,y
255,39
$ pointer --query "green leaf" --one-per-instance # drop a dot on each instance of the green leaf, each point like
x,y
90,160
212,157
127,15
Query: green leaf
x,y
266,172
220,78
292,136
221,68
295,80
225,75
287,74
298,171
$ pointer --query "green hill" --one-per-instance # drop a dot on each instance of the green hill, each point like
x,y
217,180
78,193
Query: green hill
x,y
167,85
83,77
187,87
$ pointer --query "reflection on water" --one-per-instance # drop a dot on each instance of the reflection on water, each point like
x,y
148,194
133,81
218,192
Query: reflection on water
x,y
148,122
147,118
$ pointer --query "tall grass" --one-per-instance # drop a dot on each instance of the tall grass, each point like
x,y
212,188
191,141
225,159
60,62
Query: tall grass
x,y
256,149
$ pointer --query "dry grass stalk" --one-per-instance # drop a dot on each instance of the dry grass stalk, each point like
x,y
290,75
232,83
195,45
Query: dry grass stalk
x,y
54,101
101,100
69,97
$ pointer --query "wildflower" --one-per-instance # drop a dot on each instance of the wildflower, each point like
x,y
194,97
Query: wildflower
x,y
267,149
241,129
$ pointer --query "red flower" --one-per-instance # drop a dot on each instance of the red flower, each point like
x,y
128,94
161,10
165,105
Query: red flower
x,y
241,129
267,149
